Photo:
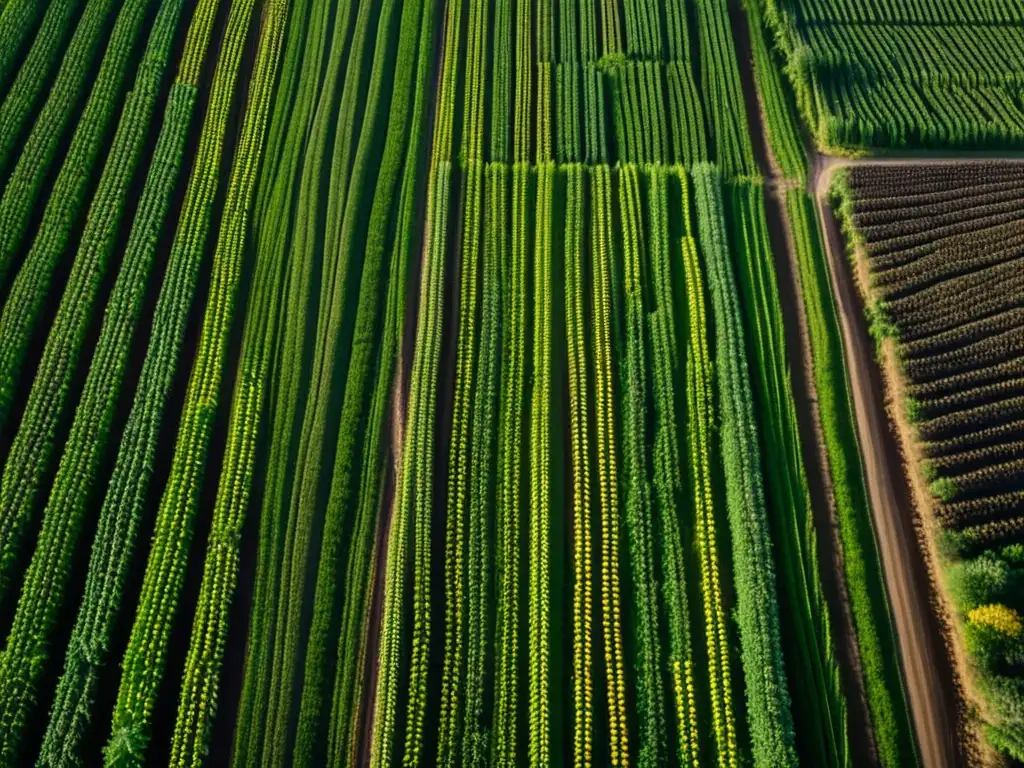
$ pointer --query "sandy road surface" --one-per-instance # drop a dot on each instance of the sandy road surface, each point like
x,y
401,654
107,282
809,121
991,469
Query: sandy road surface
x,y
861,738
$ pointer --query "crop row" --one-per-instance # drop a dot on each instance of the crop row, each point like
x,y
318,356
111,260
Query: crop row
x,y
68,194
958,326
868,601
16,24
337,359
25,182
965,206
298,184
939,308
21,92
366,397
567,429
781,129
768,698
616,239
667,460
145,655
461,566
122,510
896,75
33,444
91,434
331,677
937,266
805,626
581,463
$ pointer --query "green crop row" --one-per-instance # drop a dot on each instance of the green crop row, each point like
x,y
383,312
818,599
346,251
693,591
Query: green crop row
x,y
580,446
17,22
297,186
780,125
647,661
365,396
198,696
903,76
68,195
700,404
459,500
122,508
868,603
42,591
666,456
722,92
338,360
410,516
603,282
805,626
768,700
162,584
25,183
91,433
508,501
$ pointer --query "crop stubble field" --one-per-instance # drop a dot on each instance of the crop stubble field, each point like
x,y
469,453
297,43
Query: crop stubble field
x,y
412,382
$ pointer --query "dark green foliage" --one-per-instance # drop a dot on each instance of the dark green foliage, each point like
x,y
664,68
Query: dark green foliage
x,y
43,589
90,435
768,701
382,282
68,195
22,188
17,23
818,702
889,74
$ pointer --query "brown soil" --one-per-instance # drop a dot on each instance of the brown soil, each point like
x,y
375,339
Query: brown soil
x,y
928,531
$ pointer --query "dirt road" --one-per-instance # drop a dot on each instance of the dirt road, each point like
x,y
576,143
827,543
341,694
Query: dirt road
x,y
926,667
861,738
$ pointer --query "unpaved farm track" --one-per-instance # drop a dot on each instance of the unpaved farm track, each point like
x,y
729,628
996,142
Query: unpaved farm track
x,y
932,678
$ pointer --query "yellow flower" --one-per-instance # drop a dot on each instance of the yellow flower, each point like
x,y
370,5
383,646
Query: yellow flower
x,y
999,617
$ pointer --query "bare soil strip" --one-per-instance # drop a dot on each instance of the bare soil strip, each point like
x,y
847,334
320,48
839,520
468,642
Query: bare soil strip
x,y
935,667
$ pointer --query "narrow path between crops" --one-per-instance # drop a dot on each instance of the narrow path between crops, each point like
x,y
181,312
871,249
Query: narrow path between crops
x,y
930,677
398,413
925,666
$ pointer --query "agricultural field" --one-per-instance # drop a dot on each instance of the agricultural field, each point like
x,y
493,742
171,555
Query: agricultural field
x,y
469,382
893,74
942,251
